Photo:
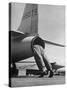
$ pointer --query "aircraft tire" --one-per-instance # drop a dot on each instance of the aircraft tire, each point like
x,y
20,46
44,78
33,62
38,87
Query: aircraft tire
x,y
14,71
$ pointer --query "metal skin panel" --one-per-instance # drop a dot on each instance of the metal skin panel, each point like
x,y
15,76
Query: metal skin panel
x,y
22,49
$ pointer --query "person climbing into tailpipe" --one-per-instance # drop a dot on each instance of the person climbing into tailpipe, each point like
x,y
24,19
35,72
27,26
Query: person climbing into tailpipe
x,y
41,58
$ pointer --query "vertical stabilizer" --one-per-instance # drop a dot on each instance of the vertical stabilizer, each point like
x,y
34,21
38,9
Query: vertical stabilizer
x,y
29,22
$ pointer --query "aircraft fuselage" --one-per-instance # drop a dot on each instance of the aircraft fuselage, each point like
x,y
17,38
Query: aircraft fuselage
x,y
21,49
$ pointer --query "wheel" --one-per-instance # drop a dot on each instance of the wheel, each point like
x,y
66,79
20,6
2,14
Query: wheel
x,y
14,71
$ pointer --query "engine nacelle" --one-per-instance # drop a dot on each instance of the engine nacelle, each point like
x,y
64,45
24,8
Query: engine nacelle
x,y
23,49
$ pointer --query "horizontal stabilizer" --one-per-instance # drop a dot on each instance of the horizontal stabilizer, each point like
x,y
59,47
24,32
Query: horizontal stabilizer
x,y
16,35
52,43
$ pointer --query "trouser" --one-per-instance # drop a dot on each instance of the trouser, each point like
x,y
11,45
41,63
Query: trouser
x,y
41,59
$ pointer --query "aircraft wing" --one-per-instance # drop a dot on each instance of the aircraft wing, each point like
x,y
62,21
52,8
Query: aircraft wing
x,y
52,43
16,35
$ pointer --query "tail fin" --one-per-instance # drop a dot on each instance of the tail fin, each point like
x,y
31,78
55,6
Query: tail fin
x,y
29,22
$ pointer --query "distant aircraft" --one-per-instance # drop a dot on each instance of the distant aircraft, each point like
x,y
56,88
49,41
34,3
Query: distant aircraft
x,y
56,66
22,40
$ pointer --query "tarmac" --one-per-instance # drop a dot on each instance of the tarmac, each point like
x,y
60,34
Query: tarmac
x,y
24,81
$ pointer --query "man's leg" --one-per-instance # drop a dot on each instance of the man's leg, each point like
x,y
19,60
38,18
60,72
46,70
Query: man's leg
x,y
39,60
48,65
42,60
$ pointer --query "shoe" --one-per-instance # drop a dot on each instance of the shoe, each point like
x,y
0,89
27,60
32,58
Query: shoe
x,y
51,74
42,74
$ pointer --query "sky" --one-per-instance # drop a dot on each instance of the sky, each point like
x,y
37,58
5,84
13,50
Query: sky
x,y
51,26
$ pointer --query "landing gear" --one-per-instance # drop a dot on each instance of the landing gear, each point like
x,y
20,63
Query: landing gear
x,y
13,71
